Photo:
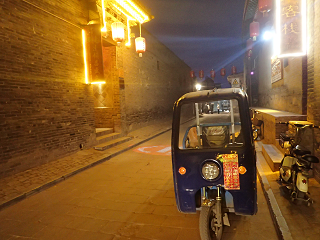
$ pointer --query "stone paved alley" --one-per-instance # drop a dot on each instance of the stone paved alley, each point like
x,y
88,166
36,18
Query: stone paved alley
x,y
127,197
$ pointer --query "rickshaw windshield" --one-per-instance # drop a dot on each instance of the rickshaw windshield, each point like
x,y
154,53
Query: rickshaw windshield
x,y
210,125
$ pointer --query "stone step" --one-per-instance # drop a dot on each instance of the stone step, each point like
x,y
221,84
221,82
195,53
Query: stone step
x,y
112,143
103,131
272,155
108,137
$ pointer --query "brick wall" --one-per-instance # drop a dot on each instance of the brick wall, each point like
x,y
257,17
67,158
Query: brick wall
x,y
45,108
313,61
41,121
285,94
153,82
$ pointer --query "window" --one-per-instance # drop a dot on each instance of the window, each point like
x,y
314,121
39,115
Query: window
x,y
218,125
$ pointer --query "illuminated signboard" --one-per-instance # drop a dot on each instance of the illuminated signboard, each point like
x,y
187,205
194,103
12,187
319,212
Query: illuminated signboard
x,y
276,70
291,28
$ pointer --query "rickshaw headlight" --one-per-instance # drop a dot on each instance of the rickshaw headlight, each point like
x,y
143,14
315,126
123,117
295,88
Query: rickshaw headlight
x,y
210,170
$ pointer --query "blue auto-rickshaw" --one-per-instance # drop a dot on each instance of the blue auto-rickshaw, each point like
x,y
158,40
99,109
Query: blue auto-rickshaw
x,y
214,159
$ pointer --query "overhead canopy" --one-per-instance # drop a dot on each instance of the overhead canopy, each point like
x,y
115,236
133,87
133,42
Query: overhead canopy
x,y
132,9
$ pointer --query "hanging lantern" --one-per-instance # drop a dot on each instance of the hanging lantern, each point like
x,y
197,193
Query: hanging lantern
x,y
212,74
192,74
249,53
117,31
223,72
265,6
233,70
254,30
140,45
201,74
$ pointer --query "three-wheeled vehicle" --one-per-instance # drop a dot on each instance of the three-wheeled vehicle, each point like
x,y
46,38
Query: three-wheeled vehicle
x,y
214,159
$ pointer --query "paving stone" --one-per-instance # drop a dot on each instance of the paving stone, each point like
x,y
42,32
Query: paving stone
x,y
158,232
101,207
181,222
145,218
186,233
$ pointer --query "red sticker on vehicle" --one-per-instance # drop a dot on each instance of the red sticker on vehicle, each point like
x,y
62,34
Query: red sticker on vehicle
x,y
231,171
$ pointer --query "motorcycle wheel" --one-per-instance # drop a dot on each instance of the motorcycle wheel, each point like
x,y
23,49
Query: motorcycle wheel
x,y
208,225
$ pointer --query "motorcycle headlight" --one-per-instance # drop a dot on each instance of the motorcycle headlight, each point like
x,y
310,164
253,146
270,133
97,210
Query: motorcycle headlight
x,y
210,170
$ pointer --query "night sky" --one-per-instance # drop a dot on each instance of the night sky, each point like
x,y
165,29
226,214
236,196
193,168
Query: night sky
x,y
206,34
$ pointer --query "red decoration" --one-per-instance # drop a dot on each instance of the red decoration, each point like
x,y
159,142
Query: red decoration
x,y
265,6
212,74
192,74
223,72
231,172
254,30
201,74
233,70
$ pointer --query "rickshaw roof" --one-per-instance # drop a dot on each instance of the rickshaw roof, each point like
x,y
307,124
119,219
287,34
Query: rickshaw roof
x,y
213,92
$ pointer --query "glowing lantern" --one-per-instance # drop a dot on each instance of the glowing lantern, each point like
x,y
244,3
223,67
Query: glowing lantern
x,y
117,31
254,30
233,70
201,74
212,74
192,74
265,6
140,45
223,72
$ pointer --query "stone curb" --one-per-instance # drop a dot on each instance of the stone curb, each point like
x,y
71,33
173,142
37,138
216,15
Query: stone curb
x,y
81,169
279,221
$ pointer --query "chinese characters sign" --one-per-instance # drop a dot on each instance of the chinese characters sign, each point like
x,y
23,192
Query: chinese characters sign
x,y
231,171
291,27
276,70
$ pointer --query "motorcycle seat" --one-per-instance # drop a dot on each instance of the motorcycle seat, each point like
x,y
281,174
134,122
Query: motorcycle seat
x,y
300,151
310,158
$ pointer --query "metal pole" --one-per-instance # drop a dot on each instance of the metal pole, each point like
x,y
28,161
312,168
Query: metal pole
x,y
232,121
198,123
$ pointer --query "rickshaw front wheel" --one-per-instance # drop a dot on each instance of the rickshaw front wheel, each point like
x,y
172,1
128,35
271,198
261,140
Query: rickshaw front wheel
x,y
210,223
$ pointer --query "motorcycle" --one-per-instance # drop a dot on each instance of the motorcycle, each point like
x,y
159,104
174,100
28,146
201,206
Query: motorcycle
x,y
297,163
256,126
214,159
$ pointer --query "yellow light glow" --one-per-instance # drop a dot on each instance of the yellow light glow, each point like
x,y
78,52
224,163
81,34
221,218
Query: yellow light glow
x,y
303,33
85,56
128,43
104,29
132,9
140,45
102,82
117,31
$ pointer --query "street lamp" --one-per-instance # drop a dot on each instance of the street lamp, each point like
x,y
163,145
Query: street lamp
x,y
198,86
